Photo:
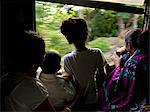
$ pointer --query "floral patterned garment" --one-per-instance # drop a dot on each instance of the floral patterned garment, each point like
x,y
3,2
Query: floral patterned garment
x,y
127,82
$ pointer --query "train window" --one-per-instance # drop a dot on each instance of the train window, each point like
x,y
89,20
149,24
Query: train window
x,y
106,27
129,2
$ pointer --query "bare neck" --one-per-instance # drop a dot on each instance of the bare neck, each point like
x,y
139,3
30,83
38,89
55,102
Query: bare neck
x,y
80,47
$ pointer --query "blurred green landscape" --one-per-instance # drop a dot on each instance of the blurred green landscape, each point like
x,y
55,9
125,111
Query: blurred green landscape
x,y
105,27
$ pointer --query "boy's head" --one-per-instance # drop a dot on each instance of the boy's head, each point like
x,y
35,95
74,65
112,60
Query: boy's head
x,y
51,62
34,46
28,52
75,30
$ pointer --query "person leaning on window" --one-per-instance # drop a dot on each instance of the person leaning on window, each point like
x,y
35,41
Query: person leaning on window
x,y
82,63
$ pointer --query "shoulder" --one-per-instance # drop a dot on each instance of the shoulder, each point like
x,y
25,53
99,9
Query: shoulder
x,y
140,57
29,88
69,55
95,50
29,93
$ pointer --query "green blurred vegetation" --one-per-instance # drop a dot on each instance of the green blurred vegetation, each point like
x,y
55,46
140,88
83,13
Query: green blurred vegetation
x,y
101,43
56,41
104,24
101,24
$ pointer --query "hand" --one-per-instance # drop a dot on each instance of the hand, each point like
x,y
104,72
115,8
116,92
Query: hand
x,y
64,75
67,110
122,49
116,59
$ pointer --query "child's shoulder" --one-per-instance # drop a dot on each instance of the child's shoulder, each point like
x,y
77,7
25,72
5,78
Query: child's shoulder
x,y
95,50
70,54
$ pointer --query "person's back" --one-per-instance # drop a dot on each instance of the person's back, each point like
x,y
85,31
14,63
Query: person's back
x,y
21,91
82,65
57,88
83,62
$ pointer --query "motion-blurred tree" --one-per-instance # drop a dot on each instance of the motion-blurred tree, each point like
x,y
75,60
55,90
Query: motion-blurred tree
x,y
103,24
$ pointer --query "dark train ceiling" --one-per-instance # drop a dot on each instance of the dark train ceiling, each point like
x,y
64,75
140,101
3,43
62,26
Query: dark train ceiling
x,y
130,6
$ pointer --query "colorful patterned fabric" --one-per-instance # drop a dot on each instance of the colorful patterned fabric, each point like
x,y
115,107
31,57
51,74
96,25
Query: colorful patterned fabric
x,y
126,82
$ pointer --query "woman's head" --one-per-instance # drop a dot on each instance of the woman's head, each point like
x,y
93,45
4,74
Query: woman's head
x,y
75,30
131,39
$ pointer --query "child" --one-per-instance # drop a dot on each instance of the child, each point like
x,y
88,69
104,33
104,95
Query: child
x,y
83,62
60,91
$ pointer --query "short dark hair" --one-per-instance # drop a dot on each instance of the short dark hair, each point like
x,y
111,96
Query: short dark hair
x,y
34,47
51,62
30,50
132,37
75,30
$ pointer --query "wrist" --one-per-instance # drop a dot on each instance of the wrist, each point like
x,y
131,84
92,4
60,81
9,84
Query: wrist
x,y
67,109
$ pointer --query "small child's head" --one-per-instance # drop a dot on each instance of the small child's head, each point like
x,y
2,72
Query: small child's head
x,y
75,30
51,62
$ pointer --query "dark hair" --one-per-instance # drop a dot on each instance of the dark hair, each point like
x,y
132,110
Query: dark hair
x,y
132,37
143,41
30,50
34,47
51,62
75,30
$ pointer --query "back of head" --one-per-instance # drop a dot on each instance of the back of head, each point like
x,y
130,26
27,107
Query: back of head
x,y
30,50
143,41
51,62
75,30
35,46
132,37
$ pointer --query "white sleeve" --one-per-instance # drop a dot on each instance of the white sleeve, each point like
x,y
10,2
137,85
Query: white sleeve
x,y
67,66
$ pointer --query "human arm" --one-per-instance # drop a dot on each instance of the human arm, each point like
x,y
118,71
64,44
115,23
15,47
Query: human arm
x,y
125,102
126,90
64,75
119,56
122,101
68,68
101,69
116,59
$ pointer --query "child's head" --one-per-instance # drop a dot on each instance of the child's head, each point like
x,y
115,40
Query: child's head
x,y
75,30
51,62
28,52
